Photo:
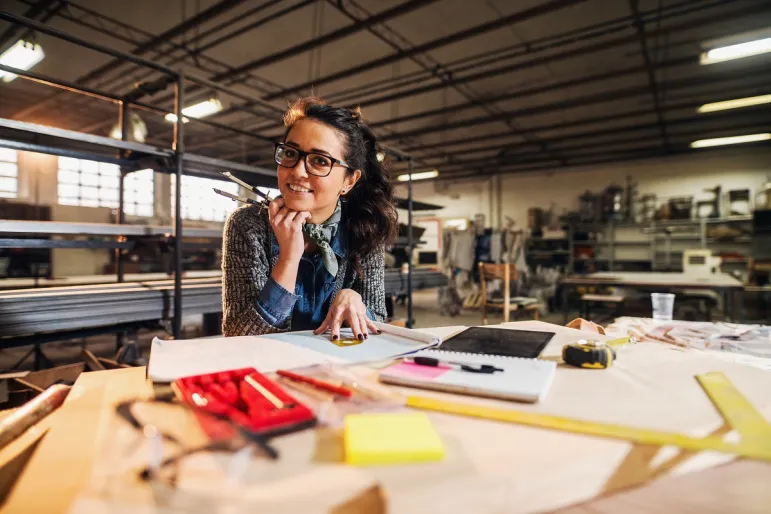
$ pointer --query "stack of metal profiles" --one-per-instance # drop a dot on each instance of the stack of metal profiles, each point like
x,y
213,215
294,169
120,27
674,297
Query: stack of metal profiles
x,y
60,309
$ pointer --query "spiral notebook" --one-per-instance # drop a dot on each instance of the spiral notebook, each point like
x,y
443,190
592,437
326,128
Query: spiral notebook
x,y
526,380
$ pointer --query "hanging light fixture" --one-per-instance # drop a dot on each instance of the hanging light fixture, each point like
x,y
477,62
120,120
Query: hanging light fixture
x,y
737,46
735,104
22,55
732,140
422,175
199,110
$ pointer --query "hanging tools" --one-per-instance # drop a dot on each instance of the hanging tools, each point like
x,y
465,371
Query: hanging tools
x,y
592,354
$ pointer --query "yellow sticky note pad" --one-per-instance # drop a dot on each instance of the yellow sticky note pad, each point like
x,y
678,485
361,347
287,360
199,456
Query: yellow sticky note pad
x,y
391,438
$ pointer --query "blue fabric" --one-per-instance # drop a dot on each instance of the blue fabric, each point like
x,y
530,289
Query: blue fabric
x,y
308,305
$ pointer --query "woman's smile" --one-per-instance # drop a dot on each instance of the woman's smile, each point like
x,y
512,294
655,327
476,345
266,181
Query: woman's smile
x,y
298,189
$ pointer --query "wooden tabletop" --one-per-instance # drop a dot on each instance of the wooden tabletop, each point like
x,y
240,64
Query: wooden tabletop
x,y
83,464
655,278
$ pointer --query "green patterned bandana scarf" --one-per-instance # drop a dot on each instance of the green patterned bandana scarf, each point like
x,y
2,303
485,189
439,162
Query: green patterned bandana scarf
x,y
322,235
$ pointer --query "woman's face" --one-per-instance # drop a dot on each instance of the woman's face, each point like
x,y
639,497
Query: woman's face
x,y
303,191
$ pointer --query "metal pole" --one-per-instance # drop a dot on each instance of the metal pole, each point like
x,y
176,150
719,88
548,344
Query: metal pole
x,y
123,123
179,148
409,244
123,118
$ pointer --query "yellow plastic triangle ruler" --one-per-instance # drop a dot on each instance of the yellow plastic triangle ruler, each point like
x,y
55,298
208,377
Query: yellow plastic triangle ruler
x,y
737,411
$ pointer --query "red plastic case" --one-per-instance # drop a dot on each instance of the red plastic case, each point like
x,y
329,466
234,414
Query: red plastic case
x,y
234,395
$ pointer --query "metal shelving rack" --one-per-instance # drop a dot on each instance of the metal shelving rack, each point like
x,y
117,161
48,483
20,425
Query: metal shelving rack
x,y
129,155
661,234
658,236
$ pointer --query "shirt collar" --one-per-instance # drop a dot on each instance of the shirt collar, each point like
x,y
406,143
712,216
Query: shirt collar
x,y
340,241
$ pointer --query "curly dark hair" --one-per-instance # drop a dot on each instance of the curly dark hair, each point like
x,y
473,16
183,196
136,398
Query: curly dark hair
x,y
370,207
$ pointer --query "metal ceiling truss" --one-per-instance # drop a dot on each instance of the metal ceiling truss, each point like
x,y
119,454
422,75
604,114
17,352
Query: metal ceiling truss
x,y
481,60
754,9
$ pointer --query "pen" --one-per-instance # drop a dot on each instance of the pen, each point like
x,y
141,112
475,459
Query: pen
x,y
319,384
464,366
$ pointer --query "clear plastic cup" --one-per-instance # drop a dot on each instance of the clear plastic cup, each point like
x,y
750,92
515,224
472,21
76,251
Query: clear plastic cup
x,y
663,305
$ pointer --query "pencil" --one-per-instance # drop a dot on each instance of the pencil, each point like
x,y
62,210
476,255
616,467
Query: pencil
x,y
320,384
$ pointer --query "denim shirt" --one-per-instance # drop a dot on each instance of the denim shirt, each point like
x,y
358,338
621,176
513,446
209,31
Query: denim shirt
x,y
308,305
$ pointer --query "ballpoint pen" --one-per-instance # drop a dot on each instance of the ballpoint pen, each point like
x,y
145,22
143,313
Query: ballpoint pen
x,y
463,366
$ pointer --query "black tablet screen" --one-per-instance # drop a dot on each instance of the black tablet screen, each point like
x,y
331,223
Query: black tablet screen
x,y
498,341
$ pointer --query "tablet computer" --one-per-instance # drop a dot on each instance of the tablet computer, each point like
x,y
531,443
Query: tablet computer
x,y
527,344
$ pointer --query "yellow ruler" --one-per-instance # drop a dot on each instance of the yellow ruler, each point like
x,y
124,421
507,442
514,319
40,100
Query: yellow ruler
x,y
737,411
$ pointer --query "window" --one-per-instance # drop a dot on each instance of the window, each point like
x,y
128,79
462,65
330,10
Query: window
x,y
9,173
199,202
139,193
95,184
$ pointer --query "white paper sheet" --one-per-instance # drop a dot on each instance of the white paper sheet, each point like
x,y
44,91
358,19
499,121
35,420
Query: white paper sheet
x,y
170,360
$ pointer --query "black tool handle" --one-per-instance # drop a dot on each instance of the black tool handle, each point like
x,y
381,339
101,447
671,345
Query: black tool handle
x,y
477,368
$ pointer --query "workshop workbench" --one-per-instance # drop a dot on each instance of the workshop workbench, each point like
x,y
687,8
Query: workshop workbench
x,y
731,288
489,466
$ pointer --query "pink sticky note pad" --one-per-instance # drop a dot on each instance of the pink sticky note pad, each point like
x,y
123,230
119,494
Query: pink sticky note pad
x,y
412,370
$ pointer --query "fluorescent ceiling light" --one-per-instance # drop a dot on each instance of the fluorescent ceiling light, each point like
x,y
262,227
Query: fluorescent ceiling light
x,y
418,176
22,55
730,52
735,104
199,110
733,140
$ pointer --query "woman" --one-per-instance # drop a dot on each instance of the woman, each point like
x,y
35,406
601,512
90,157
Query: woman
x,y
315,259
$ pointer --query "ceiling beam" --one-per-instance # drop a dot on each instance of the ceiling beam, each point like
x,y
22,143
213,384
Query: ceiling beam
x,y
35,10
348,30
139,50
639,25
575,102
599,158
518,17
496,56
725,116
578,52
555,86
441,73
605,145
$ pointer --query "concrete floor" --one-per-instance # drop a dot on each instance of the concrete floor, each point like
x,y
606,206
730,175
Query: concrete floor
x,y
426,313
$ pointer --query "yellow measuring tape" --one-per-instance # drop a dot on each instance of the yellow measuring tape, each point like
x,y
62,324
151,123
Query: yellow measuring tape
x,y
737,411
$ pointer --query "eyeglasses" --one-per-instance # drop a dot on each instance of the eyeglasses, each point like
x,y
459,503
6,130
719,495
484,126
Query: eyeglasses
x,y
316,164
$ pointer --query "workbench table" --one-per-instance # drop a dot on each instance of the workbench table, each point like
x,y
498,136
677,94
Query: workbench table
x,y
80,465
731,288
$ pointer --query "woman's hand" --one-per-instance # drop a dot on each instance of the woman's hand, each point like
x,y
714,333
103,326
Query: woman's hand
x,y
288,227
349,307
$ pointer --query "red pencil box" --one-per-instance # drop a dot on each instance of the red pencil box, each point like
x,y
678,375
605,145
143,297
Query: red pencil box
x,y
246,398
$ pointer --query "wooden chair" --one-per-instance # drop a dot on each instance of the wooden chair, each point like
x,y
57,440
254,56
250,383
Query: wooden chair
x,y
507,273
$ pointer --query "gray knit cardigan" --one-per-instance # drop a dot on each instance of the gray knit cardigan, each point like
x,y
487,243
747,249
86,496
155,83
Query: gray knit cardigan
x,y
247,262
